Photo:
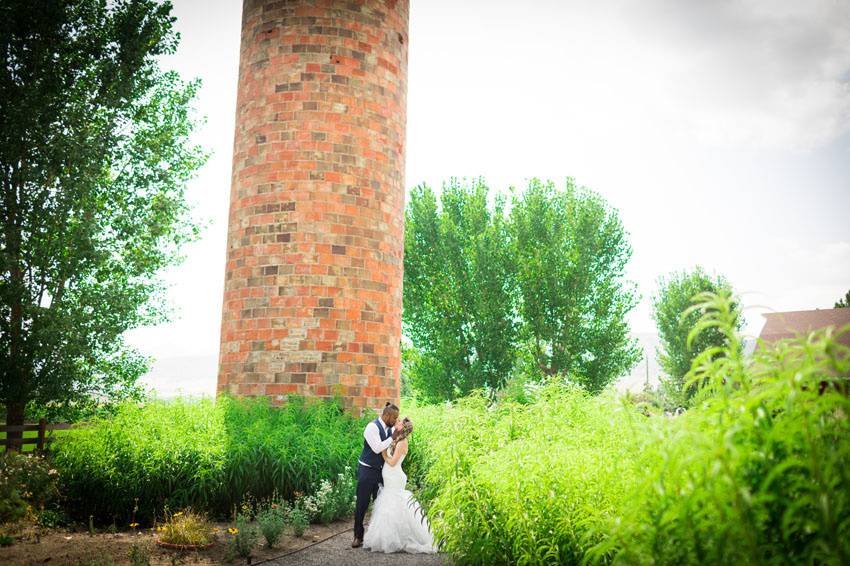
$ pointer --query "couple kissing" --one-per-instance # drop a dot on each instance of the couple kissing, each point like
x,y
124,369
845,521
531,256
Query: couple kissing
x,y
397,523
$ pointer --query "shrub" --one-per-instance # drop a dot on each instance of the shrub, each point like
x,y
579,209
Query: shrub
x,y
27,481
299,520
186,527
139,555
514,483
245,536
331,500
755,472
203,454
272,520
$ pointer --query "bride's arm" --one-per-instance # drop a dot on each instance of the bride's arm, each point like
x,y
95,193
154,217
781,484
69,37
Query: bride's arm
x,y
400,450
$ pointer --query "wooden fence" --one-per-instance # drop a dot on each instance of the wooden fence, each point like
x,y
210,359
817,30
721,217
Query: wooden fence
x,y
43,428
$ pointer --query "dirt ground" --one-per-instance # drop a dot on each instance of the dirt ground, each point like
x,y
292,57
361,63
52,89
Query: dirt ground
x,y
68,547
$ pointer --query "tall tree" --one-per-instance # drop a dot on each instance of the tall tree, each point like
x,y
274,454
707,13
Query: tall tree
x,y
570,250
94,158
675,295
843,303
458,300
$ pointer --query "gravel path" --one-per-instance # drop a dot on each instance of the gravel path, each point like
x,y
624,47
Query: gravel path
x,y
337,550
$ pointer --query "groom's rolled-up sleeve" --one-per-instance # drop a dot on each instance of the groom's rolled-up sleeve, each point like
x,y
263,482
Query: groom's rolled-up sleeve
x,y
373,439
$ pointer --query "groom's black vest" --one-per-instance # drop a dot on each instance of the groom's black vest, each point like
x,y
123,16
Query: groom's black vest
x,y
369,457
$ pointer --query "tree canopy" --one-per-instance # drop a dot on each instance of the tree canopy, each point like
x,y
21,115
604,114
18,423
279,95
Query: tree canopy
x,y
671,304
95,154
487,290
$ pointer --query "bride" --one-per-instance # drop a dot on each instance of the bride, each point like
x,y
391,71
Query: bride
x,y
398,522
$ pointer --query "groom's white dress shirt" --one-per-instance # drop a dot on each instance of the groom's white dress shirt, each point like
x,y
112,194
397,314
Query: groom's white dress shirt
x,y
373,438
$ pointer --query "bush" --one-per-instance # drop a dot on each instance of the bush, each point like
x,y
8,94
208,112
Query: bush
x,y
755,472
205,454
186,527
28,483
299,520
272,521
332,500
514,483
245,536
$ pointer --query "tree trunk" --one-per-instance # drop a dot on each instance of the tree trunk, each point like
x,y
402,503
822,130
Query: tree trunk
x,y
15,417
17,377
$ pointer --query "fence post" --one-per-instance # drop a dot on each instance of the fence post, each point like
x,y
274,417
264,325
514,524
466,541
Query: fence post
x,y
42,427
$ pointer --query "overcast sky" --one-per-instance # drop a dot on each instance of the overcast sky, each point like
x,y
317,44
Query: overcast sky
x,y
720,130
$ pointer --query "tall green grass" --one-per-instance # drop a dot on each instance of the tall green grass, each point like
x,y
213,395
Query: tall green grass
x,y
756,473
209,454
513,483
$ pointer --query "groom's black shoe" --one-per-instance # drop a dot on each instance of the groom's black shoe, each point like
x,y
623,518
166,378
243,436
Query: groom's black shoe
x,y
356,543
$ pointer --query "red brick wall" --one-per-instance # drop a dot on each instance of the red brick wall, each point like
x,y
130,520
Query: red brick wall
x,y
313,281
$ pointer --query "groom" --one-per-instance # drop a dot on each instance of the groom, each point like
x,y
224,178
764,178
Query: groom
x,y
377,437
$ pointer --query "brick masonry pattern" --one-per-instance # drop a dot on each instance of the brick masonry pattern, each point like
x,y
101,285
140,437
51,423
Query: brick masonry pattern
x,y
313,277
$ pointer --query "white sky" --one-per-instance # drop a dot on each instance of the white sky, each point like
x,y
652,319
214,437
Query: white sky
x,y
720,130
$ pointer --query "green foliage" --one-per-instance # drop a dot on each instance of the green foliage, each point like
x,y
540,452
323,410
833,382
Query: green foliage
x,y
52,518
570,254
245,538
675,320
332,500
139,555
754,473
510,483
540,288
272,520
458,303
299,520
844,302
27,481
757,472
95,155
207,454
187,526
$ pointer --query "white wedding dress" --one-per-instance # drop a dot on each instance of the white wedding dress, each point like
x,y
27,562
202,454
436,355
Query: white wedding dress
x,y
397,522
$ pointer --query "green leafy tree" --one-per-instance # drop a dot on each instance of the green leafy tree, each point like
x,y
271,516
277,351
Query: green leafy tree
x,y
843,303
458,300
94,159
675,321
571,250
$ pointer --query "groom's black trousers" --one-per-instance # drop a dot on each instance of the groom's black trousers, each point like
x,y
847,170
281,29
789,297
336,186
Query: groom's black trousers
x,y
368,480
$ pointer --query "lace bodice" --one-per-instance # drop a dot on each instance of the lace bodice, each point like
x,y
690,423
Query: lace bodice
x,y
394,476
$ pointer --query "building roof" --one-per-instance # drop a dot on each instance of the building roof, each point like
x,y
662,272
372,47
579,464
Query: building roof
x,y
781,325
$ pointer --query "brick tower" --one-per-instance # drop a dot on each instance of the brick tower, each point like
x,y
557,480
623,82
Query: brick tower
x,y
313,279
